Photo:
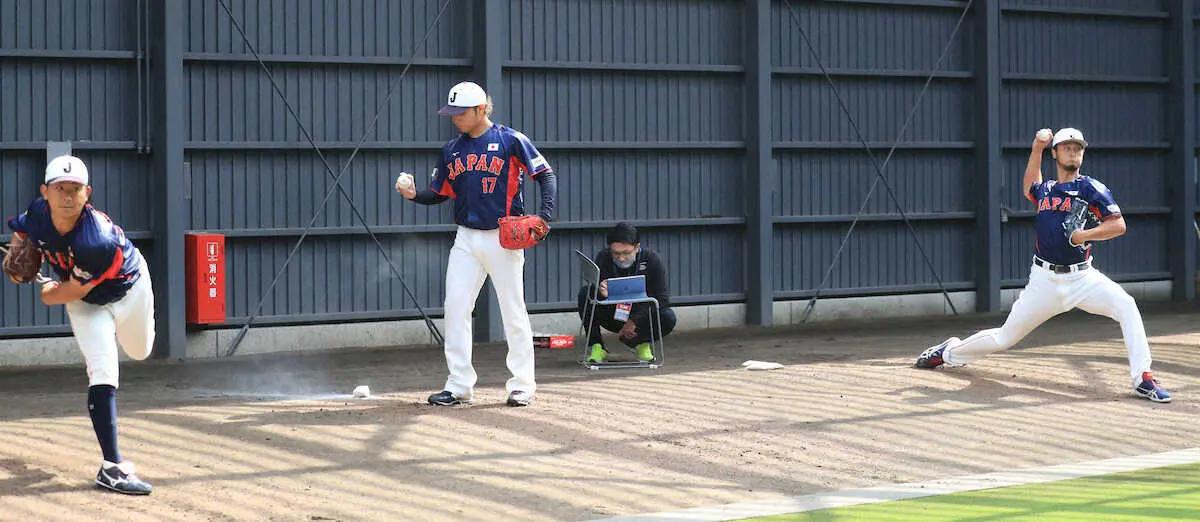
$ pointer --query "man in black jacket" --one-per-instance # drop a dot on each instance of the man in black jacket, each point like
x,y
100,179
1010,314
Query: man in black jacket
x,y
625,257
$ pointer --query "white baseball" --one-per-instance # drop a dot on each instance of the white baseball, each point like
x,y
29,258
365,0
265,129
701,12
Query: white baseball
x,y
404,181
362,392
1044,134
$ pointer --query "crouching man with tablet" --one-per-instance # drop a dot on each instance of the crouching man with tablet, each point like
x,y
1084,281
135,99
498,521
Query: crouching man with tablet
x,y
624,258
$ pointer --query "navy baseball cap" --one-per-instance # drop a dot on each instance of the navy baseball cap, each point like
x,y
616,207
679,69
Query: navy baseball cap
x,y
462,97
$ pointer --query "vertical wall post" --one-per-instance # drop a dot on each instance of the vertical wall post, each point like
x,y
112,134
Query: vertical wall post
x,y
760,167
988,160
166,139
1180,171
490,21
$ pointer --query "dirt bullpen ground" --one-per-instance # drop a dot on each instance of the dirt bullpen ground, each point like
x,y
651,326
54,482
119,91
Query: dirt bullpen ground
x,y
279,438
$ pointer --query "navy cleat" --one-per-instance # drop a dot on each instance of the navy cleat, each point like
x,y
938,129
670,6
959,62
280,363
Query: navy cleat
x,y
122,478
447,398
932,357
1152,390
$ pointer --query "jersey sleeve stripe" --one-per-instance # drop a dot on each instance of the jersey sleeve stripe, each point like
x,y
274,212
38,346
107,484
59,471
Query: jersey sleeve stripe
x,y
515,166
118,261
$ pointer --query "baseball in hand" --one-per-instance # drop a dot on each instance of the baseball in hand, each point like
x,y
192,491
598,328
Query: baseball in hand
x,y
1044,135
404,182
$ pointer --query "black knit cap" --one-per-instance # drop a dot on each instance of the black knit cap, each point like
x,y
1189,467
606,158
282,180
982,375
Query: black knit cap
x,y
623,233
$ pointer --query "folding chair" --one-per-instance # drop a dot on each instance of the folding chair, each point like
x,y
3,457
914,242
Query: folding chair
x,y
634,291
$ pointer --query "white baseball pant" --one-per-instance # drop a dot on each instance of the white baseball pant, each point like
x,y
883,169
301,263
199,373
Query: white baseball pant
x,y
98,328
477,254
1049,294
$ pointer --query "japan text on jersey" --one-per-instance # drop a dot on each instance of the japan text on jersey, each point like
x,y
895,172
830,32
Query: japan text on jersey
x,y
95,251
485,175
1053,202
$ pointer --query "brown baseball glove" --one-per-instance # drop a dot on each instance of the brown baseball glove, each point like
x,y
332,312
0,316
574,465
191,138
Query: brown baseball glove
x,y
23,262
519,232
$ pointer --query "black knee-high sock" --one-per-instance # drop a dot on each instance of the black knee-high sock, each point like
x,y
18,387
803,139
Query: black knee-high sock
x,y
102,406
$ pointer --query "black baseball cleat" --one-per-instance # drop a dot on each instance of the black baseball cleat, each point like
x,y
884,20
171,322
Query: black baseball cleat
x,y
447,398
520,398
932,357
122,478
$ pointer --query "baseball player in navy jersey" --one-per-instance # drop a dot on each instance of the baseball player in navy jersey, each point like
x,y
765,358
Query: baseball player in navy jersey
x,y
105,287
1062,276
483,170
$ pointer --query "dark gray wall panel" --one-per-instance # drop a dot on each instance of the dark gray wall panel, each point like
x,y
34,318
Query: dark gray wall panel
x,y
1018,239
94,25
702,264
21,307
820,182
1142,250
868,36
20,176
606,106
611,185
1033,43
63,100
235,102
1136,178
1137,5
21,173
120,189
805,252
640,107
328,28
1106,113
552,273
700,261
335,275
705,32
809,111
246,190
120,184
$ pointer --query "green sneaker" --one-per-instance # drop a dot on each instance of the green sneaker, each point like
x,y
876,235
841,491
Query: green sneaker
x,y
644,353
599,354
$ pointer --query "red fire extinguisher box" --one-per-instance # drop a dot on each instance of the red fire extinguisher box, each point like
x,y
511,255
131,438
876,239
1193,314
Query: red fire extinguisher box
x,y
205,272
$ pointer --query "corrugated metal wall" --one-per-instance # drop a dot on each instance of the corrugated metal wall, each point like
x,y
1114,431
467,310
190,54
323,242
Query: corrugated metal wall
x,y
69,70
878,57
1115,89
254,177
641,107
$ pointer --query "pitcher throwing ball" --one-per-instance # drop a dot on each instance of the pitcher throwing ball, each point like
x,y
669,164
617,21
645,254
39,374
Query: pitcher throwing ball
x,y
105,287
483,170
1062,276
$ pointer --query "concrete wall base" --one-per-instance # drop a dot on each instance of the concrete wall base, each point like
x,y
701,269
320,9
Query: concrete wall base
x,y
260,340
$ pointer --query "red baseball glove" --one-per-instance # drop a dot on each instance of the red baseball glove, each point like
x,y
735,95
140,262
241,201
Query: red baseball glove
x,y
23,262
520,232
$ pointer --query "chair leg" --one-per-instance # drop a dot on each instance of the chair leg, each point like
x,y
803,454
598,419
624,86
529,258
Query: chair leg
x,y
586,327
657,319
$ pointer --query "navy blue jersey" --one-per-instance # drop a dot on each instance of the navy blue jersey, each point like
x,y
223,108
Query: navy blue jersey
x,y
1053,203
96,250
485,175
